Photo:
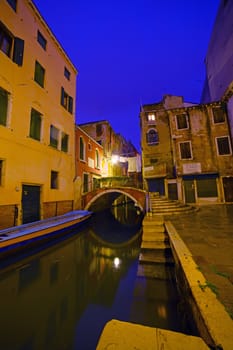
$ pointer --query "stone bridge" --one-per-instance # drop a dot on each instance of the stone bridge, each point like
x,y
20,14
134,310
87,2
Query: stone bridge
x,y
103,197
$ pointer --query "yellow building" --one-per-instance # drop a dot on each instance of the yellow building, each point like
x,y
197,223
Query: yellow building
x,y
37,104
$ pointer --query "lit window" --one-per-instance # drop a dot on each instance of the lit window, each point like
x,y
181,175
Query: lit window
x,y
66,73
185,150
152,137
35,125
39,74
151,117
223,145
64,142
41,40
66,101
3,106
218,115
182,121
54,134
54,179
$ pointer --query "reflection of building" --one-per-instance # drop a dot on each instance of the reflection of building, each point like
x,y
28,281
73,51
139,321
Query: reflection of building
x,y
186,150
116,149
88,160
37,94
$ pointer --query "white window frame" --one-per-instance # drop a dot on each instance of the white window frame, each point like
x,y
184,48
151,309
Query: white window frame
x,y
191,151
187,121
217,123
229,143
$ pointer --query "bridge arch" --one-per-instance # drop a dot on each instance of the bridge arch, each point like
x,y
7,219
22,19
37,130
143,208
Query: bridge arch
x,y
138,196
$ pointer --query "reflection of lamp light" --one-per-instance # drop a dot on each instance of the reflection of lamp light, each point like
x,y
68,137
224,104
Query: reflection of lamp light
x,y
116,262
115,158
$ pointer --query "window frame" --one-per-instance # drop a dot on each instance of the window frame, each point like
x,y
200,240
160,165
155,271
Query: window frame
x,y
229,145
190,149
82,150
4,118
32,133
15,49
97,159
215,121
41,40
54,180
186,121
39,74
54,136
149,142
151,117
64,142
66,101
67,73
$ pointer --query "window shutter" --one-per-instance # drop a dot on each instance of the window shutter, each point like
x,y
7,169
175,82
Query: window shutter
x,y
70,106
62,96
18,51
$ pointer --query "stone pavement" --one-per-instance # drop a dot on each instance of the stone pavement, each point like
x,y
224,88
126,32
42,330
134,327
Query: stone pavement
x,y
208,233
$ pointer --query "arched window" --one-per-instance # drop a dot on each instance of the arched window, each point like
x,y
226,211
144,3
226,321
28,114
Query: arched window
x,y
81,149
152,136
97,159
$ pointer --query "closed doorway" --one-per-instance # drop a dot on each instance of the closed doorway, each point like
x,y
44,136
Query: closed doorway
x,y
30,203
189,190
156,185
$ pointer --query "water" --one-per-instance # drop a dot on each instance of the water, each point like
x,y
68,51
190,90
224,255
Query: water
x,y
61,297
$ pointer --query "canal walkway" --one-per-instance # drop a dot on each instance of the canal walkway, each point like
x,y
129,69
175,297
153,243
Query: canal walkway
x,y
208,233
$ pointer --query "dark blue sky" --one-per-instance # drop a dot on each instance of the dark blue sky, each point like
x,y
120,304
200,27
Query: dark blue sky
x,y
132,52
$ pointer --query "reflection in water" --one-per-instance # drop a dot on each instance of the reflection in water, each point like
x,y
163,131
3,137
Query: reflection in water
x,y
62,296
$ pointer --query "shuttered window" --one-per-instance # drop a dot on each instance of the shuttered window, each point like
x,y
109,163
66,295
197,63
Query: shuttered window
x,y
3,106
39,74
35,125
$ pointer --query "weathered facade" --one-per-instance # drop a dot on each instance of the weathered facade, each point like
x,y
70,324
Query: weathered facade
x,y
187,151
88,162
116,149
37,104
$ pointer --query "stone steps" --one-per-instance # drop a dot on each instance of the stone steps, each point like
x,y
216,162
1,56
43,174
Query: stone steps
x,y
160,205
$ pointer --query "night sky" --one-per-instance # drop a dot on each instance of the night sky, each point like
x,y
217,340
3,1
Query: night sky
x,y
132,52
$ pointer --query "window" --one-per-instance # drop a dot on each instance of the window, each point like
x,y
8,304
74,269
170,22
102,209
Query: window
x,y
223,145
66,73
152,136
9,42
185,150
1,171
54,180
12,3
39,74
89,146
3,107
66,101
218,115
97,159
81,149
182,121
41,40
151,117
64,142
35,125
54,134
85,182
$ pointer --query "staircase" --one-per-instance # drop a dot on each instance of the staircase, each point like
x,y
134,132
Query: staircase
x,y
160,205
155,259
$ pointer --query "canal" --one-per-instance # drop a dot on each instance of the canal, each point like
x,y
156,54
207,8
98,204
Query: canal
x,y
60,296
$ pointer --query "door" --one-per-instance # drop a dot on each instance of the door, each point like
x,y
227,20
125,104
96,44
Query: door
x,y
189,190
30,203
172,191
228,188
156,185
